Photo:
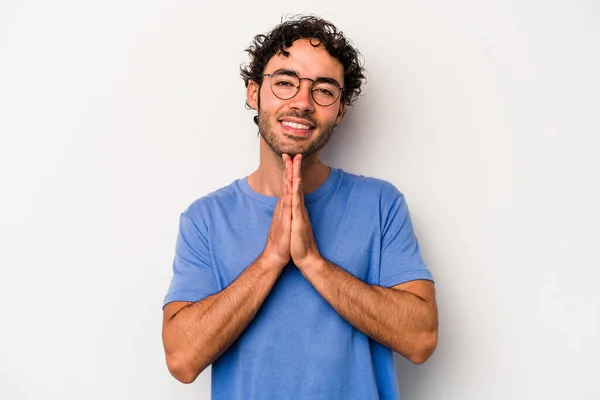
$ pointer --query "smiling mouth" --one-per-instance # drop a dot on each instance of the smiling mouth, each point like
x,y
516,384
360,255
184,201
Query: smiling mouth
x,y
296,125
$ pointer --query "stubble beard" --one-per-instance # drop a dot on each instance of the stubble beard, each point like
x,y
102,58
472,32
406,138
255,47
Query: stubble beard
x,y
278,144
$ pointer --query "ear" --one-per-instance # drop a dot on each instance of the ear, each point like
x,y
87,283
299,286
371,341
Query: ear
x,y
341,113
252,95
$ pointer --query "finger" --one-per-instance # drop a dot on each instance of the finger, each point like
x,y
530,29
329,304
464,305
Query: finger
x,y
297,175
283,204
287,198
297,165
287,173
297,202
288,167
287,202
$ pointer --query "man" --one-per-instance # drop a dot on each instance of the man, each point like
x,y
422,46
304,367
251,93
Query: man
x,y
299,281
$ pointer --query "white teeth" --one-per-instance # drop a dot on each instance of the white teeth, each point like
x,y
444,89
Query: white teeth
x,y
295,125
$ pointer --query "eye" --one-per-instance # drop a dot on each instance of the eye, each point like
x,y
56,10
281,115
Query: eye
x,y
324,92
284,83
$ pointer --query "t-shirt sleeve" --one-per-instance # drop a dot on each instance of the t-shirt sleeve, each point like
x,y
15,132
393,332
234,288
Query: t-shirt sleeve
x,y
193,276
401,259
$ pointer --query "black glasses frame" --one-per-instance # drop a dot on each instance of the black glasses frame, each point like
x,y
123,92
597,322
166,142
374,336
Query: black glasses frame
x,y
298,89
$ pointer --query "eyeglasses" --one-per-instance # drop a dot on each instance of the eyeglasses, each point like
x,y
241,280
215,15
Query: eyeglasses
x,y
324,91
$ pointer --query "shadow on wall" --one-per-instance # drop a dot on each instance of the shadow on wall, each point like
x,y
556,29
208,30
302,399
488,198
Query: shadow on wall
x,y
413,379
369,136
347,146
357,143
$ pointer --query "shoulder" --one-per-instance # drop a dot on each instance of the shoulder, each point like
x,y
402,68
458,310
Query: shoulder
x,y
202,208
370,186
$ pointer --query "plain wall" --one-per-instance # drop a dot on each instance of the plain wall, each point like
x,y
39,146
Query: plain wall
x,y
115,115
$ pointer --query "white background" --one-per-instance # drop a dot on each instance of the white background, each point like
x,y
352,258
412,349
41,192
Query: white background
x,y
115,115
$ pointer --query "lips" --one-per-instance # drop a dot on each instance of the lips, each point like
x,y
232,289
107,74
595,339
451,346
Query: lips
x,y
298,121
295,129
296,125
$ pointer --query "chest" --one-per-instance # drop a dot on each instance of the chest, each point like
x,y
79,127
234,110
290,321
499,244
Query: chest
x,y
347,236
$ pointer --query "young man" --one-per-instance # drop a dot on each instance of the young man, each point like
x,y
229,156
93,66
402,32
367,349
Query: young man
x,y
300,280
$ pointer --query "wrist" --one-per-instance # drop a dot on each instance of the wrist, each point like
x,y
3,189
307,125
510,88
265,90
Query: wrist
x,y
312,262
271,262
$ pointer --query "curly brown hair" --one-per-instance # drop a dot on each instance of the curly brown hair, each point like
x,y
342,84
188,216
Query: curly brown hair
x,y
320,32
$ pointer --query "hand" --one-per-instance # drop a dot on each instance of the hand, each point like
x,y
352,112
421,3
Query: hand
x,y
277,249
303,248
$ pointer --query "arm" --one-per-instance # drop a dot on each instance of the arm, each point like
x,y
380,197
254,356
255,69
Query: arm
x,y
403,318
196,334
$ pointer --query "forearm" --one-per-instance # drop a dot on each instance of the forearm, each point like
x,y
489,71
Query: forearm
x,y
199,333
400,320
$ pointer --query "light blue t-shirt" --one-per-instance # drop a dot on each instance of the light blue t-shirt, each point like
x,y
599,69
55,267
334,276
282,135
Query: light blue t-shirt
x,y
297,346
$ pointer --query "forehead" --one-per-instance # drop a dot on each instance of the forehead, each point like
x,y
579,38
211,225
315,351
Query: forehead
x,y
309,61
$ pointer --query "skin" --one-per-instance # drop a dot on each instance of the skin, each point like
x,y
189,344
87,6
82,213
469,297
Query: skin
x,y
403,317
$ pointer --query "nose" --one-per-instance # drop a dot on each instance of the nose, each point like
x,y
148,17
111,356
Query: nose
x,y
303,101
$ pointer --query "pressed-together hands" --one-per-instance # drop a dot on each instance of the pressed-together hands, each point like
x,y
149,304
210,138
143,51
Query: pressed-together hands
x,y
290,235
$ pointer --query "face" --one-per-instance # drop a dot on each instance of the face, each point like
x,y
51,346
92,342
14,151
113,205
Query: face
x,y
298,125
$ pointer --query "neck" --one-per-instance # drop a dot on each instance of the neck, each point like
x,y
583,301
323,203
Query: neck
x,y
268,177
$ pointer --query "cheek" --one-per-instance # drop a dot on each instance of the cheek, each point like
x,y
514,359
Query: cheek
x,y
331,116
266,98
268,107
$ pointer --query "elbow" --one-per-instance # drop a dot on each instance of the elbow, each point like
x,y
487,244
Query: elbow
x,y
424,347
181,370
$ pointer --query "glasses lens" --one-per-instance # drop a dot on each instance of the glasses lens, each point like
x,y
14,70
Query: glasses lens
x,y
325,93
284,86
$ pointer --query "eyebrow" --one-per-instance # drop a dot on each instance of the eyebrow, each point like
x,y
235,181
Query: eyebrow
x,y
291,72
